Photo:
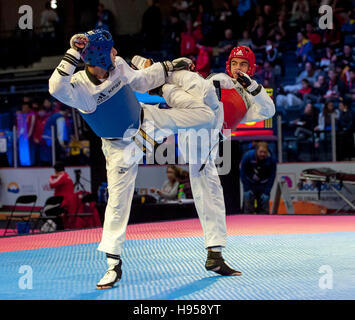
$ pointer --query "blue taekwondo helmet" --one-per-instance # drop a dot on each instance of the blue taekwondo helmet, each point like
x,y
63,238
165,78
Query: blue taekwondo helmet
x,y
97,52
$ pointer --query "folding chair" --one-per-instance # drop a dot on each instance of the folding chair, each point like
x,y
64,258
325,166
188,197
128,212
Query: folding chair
x,y
21,217
50,211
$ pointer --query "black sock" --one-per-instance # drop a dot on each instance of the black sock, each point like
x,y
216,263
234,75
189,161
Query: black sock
x,y
113,256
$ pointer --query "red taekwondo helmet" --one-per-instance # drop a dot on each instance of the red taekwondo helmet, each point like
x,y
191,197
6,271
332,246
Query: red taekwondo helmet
x,y
242,52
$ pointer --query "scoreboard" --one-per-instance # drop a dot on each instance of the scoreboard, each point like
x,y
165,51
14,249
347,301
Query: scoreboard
x,y
258,128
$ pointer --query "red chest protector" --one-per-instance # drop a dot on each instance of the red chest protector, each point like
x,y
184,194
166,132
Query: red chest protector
x,y
234,108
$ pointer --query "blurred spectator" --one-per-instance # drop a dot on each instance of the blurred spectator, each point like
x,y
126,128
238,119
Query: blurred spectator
x,y
280,27
181,7
173,31
319,89
350,84
332,37
47,105
270,19
346,58
245,40
306,123
292,100
324,118
170,187
49,19
299,13
105,19
336,87
313,36
273,56
345,136
41,119
57,121
188,42
63,186
348,28
259,40
328,59
203,61
304,50
25,125
152,26
226,17
266,74
257,172
225,46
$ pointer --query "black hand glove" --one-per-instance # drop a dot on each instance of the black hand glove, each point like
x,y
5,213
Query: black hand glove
x,y
244,80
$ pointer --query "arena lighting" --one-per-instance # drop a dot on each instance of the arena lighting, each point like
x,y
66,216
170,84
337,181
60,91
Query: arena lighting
x,y
54,4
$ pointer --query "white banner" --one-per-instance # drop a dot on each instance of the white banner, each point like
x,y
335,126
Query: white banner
x,y
23,181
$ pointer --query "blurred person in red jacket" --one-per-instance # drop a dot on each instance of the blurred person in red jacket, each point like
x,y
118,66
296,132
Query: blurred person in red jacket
x,y
63,186
203,61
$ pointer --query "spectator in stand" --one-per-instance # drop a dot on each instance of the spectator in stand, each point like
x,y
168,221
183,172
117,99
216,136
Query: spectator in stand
x,y
181,7
203,61
304,52
245,40
306,123
336,87
244,10
291,100
47,105
257,173
272,56
41,119
225,46
266,74
188,42
226,18
63,186
152,26
170,187
280,27
346,58
350,84
105,19
319,89
259,40
299,13
332,37
328,59
56,120
348,28
49,19
174,30
324,121
345,134
25,124
313,36
270,19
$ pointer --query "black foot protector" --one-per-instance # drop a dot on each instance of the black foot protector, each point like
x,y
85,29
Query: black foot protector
x,y
216,263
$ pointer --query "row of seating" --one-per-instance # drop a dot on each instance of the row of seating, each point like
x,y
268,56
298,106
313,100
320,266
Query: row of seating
x,y
51,211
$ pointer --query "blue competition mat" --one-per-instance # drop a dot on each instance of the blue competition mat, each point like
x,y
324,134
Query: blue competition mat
x,y
274,267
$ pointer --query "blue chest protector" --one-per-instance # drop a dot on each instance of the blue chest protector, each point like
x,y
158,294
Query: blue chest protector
x,y
116,114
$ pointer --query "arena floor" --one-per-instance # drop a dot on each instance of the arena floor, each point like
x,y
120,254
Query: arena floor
x,y
281,257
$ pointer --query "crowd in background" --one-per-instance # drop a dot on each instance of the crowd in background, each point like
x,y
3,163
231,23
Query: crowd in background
x,y
36,119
